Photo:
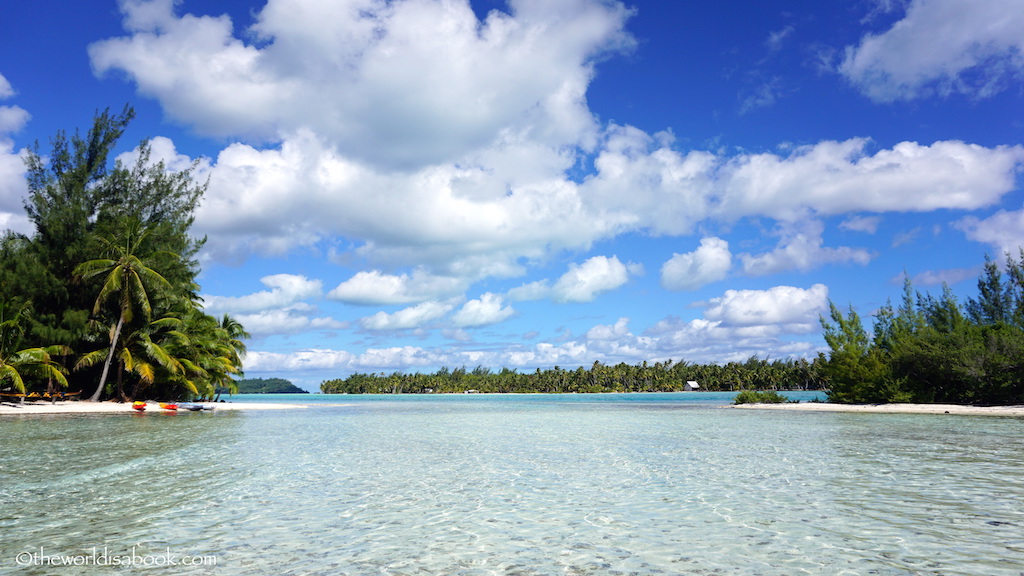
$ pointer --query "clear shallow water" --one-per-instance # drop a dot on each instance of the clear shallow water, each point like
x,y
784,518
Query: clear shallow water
x,y
527,485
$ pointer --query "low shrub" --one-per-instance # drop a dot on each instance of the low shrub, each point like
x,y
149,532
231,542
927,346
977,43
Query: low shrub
x,y
754,397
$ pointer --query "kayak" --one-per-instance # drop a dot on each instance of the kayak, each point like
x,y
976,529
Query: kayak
x,y
140,406
168,406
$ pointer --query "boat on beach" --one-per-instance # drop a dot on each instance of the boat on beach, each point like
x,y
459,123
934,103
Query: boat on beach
x,y
139,405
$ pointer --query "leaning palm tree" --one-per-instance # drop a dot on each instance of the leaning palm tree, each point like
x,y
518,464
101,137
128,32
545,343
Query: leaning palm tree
x,y
128,277
16,364
235,333
140,356
211,351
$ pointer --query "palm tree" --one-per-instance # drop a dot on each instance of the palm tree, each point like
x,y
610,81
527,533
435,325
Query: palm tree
x,y
141,355
232,334
14,365
209,351
128,276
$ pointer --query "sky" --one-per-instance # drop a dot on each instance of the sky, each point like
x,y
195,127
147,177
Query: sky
x,y
409,184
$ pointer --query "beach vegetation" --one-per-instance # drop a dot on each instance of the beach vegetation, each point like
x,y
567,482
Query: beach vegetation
x,y
662,376
17,364
110,271
129,279
268,386
932,349
759,397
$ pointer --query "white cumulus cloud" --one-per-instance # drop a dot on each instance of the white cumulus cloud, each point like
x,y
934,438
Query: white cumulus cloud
x,y
488,309
12,166
580,283
708,263
941,46
1004,231
583,282
375,287
801,247
782,308
469,141
287,320
336,66
285,290
407,318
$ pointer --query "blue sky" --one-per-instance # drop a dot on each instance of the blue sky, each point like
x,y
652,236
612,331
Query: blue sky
x,y
413,184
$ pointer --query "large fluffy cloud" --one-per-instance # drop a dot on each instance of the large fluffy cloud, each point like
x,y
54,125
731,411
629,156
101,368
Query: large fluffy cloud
x,y
734,326
410,147
407,318
581,283
942,46
708,263
1004,231
801,247
283,309
670,191
453,150
782,308
488,309
480,220
285,290
12,166
337,66
292,319
375,287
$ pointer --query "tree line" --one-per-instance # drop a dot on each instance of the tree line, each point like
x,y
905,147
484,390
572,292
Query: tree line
x,y
668,376
929,349
267,386
102,297
932,349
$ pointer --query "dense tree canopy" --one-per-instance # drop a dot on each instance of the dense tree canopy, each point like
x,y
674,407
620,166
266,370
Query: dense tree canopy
x,y
931,349
109,275
268,386
668,376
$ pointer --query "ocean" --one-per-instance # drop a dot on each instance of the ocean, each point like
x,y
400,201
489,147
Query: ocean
x,y
533,484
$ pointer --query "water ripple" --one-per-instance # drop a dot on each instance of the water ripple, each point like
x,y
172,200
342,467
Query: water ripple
x,y
538,488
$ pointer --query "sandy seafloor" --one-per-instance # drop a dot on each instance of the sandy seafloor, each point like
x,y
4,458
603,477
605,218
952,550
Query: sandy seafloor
x,y
83,407
955,409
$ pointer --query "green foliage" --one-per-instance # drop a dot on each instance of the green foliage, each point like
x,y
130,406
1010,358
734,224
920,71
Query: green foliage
x,y
665,376
931,351
756,397
17,365
111,270
66,190
268,386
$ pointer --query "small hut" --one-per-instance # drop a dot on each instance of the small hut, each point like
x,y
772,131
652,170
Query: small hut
x,y
691,386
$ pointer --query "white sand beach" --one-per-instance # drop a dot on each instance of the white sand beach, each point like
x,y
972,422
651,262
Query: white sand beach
x,y
81,407
955,409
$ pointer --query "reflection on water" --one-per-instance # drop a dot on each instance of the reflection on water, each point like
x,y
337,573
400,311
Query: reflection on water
x,y
528,486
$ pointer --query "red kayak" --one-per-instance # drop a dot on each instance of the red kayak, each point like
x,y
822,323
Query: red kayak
x,y
168,406
140,406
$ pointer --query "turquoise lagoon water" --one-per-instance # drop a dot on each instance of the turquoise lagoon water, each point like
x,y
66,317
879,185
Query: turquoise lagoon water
x,y
518,485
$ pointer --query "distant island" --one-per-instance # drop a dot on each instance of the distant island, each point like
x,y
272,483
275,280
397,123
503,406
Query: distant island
x,y
268,386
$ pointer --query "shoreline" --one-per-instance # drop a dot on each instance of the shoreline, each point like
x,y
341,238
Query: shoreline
x,y
951,409
83,407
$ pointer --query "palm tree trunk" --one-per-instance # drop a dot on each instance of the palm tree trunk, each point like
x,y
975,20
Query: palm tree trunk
x,y
120,383
106,365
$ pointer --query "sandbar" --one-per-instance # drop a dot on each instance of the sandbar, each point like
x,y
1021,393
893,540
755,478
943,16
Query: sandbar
x,y
898,408
82,407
